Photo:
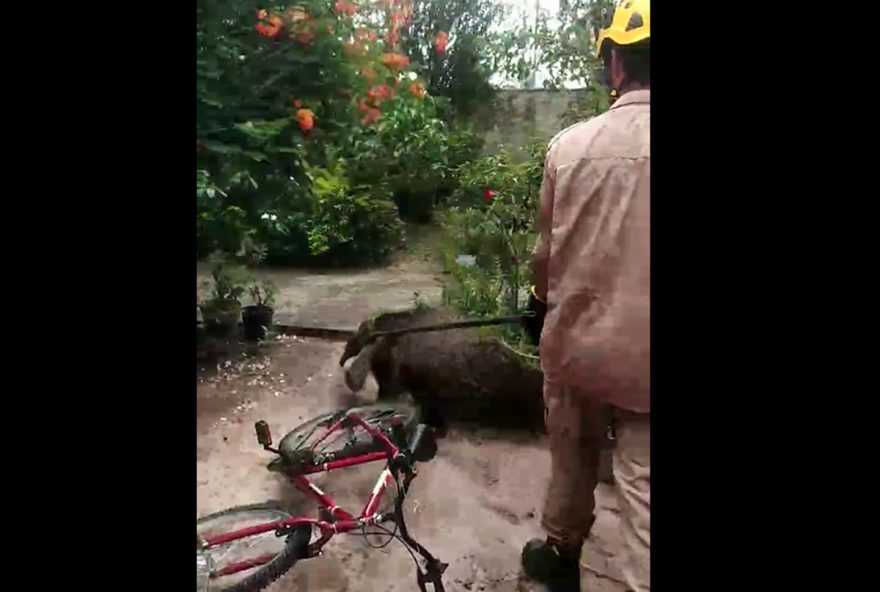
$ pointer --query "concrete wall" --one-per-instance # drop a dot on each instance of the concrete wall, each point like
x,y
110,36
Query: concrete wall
x,y
520,116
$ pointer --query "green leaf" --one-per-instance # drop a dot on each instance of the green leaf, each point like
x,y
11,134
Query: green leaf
x,y
262,130
258,156
221,148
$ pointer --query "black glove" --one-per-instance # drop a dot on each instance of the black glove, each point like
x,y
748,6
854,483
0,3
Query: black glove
x,y
534,325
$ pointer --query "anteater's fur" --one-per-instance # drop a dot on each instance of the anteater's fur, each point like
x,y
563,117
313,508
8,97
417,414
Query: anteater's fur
x,y
462,375
458,374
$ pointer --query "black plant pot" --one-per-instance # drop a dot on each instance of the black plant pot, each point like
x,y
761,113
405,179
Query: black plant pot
x,y
221,319
256,320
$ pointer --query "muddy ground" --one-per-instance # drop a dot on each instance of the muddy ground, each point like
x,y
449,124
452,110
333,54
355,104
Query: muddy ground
x,y
473,506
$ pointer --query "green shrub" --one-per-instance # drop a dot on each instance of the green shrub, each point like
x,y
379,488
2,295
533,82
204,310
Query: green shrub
x,y
270,103
334,224
491,219
411,151
501,173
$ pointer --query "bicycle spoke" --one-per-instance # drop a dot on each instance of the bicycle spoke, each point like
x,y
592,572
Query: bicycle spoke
x,y
348,431
234,546
236,552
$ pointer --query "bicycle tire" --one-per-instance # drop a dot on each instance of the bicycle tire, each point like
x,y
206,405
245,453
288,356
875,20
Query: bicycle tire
x,y
376,415
294,549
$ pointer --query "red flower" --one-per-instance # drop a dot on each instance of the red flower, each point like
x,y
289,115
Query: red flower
x,y
297,104
440,41
270,30
346,8
371,116
383,92
488,195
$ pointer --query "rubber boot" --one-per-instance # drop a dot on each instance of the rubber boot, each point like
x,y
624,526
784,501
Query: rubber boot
x,y
554,565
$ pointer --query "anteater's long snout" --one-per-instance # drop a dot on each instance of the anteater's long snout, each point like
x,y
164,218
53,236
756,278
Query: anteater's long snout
x,y
356,374
351,350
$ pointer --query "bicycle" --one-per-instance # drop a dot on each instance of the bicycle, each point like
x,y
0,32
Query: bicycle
x,y
389,433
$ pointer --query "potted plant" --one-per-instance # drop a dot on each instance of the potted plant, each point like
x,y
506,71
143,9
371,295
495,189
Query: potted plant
x,y
257,317
222,308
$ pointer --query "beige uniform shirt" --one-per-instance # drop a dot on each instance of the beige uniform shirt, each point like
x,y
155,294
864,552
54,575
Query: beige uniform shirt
x,y
595,233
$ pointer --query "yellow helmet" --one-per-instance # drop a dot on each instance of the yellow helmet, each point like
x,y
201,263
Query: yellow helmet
x,y
631,24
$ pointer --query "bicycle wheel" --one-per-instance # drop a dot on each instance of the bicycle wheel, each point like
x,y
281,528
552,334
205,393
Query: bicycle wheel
x,y
252,563
396,421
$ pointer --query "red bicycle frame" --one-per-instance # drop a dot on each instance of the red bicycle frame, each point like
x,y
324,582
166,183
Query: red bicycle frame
x,y
345,522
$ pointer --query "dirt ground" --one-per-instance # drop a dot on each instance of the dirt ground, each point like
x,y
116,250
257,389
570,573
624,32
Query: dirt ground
x,y
473,506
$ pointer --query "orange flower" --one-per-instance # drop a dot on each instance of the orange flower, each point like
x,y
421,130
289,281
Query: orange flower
x,y
385,92
395,60
346,8
418,90
306,119
371,116
368,73
272,29
381,92
440,41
